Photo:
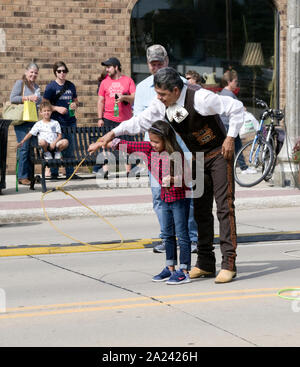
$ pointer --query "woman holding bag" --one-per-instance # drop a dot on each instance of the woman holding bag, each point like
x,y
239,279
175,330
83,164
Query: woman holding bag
x,y
23,90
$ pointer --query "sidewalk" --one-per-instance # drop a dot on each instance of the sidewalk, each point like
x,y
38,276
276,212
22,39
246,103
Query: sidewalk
x,y
115,197
125,197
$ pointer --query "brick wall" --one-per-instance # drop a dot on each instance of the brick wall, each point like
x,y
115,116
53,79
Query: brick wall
x,y
80,32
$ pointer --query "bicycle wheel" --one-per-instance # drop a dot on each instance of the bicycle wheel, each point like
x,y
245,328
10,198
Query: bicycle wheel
x,y
271,170
259,158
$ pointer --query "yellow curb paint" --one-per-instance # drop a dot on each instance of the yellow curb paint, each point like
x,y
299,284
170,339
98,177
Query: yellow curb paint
x,y
139,244
47,250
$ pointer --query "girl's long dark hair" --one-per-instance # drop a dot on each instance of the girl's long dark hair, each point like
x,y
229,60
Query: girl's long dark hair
x,y
166,132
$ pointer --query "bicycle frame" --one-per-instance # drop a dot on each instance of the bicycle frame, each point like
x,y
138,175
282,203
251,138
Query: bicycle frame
x,y
258,136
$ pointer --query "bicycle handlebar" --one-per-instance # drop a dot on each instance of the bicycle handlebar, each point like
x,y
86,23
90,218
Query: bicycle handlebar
x,y
277,114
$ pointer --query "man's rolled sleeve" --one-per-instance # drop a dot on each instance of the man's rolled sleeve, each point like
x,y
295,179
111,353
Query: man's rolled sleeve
x,y
208,103
142,122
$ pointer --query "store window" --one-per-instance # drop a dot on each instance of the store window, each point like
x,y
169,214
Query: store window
x,y
210,37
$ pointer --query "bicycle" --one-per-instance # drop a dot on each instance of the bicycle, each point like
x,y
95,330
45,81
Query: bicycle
x,y
260,154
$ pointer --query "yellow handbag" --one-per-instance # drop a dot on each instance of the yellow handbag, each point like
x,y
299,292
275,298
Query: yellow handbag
x,y
29,112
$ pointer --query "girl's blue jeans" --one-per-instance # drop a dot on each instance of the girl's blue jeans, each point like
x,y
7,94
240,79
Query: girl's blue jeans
x,y
24,170
175,217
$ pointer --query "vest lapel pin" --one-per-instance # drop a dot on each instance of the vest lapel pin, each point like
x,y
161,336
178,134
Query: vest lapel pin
x,y
180,114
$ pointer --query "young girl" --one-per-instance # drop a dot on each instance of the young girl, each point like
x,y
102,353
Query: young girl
x,y
175,205
48,132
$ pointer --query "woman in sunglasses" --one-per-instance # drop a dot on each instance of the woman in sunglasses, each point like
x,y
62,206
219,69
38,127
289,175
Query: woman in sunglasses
x,y
62,95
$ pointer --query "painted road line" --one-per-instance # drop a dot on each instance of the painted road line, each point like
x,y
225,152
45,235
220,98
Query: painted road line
x,y
151,301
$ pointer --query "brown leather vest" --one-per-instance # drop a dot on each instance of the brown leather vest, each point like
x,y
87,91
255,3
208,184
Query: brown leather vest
x,y
200,133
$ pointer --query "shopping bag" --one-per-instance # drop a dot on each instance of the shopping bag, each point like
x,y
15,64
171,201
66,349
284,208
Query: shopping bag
x,y
29,113
250,124
13,112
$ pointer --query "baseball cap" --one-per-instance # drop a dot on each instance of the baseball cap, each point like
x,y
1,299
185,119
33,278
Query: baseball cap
x,y
156,53
112,61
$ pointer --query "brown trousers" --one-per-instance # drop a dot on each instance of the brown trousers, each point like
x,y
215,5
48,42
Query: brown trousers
x,y
218,184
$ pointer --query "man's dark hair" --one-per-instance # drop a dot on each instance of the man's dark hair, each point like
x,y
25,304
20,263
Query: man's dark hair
x,y
168,78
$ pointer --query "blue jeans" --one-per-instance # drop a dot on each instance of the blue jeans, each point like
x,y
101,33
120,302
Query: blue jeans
x,y
175,223
157,202
24,170
237,146
67,153
193,227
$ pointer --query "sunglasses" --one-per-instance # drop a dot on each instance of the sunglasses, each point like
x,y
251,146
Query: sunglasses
x,y
61,71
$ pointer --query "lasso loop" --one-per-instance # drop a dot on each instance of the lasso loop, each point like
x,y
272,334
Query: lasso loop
x,y
279,294
60,188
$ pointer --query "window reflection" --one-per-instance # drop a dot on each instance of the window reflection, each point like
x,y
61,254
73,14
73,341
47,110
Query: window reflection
x,y
210,37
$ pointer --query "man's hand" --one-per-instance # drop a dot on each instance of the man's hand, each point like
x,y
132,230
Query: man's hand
x,y
107,138
228,148
94,147
100,122
102,142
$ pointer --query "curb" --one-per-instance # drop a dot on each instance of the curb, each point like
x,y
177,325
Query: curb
x,y
31,250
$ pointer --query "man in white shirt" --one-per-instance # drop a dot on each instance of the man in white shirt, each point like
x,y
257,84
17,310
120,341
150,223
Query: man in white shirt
x,y
202,130
157,58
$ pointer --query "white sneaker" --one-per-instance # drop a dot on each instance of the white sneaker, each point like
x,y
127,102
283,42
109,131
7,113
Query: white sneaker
x,y
48,155
249,170
57,155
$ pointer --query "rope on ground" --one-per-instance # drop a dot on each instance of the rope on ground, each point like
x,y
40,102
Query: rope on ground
x,y
60,188
295,291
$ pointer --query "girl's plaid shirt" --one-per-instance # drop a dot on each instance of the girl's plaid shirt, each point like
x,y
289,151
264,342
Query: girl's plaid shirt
x,y
158,165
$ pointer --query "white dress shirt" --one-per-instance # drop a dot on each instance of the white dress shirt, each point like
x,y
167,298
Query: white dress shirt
x,y
206,103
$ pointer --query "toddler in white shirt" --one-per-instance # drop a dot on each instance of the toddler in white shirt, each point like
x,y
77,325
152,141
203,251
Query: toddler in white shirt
x,y
48,132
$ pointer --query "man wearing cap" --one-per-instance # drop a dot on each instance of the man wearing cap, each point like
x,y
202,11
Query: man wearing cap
x,y
157,58
115,88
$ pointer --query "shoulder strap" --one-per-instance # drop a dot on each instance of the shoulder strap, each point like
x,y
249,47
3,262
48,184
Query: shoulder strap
x,y
61,92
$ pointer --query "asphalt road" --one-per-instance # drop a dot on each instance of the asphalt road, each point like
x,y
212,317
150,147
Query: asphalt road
x,y
107,298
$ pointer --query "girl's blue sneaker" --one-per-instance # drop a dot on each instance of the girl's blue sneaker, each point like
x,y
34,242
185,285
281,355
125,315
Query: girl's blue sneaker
x,y
179,277
162,276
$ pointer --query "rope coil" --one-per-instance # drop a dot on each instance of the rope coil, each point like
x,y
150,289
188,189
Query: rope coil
x,y
60,188
284,290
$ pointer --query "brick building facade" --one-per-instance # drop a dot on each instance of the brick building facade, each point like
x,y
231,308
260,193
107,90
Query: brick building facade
x,y
82,33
